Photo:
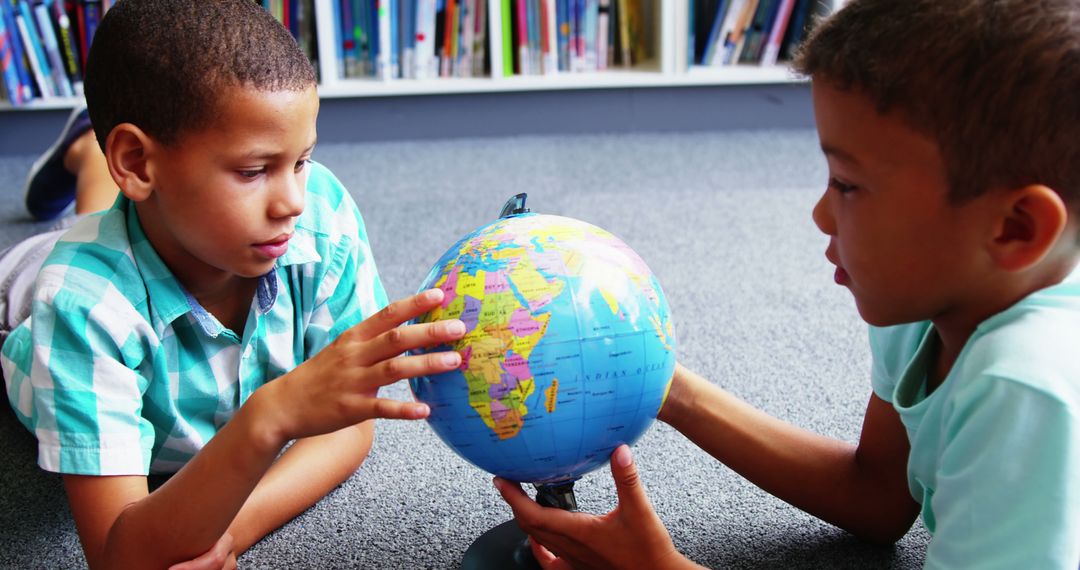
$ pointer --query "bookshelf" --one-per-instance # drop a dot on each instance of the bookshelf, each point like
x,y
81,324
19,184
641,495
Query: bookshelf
x,y
664,24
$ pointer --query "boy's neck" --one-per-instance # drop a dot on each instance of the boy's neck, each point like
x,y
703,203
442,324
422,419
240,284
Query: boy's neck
x,y
954,329
230,303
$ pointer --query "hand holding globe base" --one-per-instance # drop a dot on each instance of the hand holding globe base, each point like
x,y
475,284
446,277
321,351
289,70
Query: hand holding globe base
x,y
507,546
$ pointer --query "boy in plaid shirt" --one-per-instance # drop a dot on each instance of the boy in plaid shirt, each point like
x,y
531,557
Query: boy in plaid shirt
x,y
225,305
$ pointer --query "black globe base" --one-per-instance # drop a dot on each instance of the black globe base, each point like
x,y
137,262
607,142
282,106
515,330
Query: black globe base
x,y
506,547
503,547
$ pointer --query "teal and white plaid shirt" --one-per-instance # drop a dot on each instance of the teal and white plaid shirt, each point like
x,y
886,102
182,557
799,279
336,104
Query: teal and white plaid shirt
x,y
119,371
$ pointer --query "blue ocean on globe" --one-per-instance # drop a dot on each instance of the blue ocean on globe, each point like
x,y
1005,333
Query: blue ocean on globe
x,y
569,352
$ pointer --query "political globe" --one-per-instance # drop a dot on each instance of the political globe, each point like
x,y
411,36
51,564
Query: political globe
x,y
569,352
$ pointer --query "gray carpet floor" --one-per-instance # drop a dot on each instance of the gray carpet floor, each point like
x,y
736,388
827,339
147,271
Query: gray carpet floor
x,y
723,219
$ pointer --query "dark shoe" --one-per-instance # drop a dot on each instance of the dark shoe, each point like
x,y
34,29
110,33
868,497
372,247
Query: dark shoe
x,y
50,188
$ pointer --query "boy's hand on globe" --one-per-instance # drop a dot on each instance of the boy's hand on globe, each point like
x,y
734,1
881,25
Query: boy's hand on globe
x,y
338,387
631,536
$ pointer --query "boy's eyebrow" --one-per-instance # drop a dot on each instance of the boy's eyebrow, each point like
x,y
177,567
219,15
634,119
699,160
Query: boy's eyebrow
x,y
257,154
843,155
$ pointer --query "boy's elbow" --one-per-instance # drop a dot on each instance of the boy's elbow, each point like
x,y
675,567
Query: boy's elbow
x,y
885,532
886,537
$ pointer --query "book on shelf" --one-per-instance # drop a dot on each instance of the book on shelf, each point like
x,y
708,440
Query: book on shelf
x,y
18,83
44,43
61,22
35,51
771,51
751,32
51,46
454,38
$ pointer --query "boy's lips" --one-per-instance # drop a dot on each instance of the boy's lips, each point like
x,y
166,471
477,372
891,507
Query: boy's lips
x,y
839,276
274,248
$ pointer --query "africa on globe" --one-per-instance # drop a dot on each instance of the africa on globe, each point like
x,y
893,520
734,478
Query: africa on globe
x,y
569,349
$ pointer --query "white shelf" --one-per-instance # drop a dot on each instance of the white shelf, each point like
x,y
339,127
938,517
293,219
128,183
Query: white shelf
x,y
611,79
667,68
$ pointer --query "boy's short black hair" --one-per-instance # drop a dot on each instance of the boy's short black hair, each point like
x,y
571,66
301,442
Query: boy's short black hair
x,y
162,64
995,82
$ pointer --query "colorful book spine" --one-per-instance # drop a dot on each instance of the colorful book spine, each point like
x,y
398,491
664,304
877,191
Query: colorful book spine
x,y
425,39
68,44
465,38
479,38
715,39
35,53
625,48
592,17
551,36
776,35
383,68
759,31
738,35
347,62
507,38
10,77
533,22
521,17
25,82
562,20
797,28
365,37
407,36
92,14
603,41
52,50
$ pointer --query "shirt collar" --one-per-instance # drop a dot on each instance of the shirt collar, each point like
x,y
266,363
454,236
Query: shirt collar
x,y
169,300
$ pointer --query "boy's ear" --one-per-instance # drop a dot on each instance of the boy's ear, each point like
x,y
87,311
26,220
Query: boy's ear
x,y
1030,222
126,153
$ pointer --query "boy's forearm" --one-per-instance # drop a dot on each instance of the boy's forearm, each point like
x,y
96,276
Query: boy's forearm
x,y
303,475
820,475
186,516
756,445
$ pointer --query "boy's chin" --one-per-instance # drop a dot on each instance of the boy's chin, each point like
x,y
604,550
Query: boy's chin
x,y
878,318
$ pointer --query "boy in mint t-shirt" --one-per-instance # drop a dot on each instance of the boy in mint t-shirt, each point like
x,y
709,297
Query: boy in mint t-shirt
x,y
225,305
952,134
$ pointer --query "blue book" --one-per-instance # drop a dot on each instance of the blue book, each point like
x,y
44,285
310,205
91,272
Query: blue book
x,y
714,41
393,7
22,83
406,37
690,33
800,19
9,76
92,12
65,34
562,22
362,32
52,50
39,64
346,48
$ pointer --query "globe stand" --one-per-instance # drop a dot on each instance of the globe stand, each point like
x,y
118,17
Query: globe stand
x,y
507,546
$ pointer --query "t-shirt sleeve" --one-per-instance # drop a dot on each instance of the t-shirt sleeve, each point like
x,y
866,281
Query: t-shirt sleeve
x,y
351,289
1007,493
87,398
891,350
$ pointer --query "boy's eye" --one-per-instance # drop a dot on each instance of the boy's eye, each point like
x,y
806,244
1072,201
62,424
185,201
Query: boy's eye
x,y
300,165
842,187
251,173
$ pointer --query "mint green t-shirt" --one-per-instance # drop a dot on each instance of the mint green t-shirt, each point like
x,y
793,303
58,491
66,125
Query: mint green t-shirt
x,y
995,449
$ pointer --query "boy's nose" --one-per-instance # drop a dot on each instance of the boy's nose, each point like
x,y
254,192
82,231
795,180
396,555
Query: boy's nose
x,y
288,200
823,215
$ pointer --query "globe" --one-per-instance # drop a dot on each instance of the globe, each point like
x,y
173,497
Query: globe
x,y
569,352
